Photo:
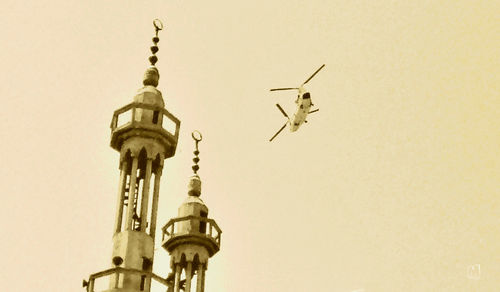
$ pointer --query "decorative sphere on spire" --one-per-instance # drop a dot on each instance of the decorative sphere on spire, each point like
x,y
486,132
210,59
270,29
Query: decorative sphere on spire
x,y
194,186
151,77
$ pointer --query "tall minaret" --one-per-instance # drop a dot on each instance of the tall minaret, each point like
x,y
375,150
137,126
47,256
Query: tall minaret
x,y
191,238
140,132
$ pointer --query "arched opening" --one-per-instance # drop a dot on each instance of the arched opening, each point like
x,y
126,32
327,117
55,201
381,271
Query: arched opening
x,y
147,265
203,224
139,189
125,167
156,114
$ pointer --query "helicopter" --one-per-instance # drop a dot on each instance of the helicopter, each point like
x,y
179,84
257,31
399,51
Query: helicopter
x,y
304,104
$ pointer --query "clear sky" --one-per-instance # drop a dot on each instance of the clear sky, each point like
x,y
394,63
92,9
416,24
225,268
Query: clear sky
x,y
394,185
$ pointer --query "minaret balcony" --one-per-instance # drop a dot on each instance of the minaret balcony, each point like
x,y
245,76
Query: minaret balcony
x,y
98,282
192,230
146,120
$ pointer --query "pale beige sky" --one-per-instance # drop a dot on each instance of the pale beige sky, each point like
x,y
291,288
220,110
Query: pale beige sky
x,y
392,186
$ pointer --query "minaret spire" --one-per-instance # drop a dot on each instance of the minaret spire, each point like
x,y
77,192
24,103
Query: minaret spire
x,y
197,138
152,75
195,181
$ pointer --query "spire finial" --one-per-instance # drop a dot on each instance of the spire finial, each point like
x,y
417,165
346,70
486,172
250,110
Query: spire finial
x,y
158,26
197,138
194,187
152,75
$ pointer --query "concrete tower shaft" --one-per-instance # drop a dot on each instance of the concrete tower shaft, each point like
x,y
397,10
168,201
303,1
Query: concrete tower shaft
x,y
145,134
144,143
191,239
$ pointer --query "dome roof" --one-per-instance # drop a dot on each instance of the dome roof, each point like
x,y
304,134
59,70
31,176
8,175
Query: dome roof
x,y
193,205
149,95
193,199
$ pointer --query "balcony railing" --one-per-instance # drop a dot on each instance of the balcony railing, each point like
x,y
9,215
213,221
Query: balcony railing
x,y
131,115
172,228
119,273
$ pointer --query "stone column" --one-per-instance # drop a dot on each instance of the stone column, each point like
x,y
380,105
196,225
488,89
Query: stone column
x,y
145,195
90,288
177,281
200,278
154,208
131,193
203,277
121,195
189,272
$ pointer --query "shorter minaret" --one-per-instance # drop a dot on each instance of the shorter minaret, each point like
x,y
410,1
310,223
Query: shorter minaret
x,y
191,238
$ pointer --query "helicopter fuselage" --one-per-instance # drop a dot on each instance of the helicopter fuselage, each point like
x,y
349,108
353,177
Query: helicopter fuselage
x,y
304,104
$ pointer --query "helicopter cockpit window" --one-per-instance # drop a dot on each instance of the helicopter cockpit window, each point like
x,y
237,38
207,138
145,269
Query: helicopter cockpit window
x,y
306,95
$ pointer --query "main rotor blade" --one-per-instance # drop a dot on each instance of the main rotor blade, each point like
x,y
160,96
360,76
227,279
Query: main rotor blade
x,y
314,111
282,111
287,88
279,131
314,74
